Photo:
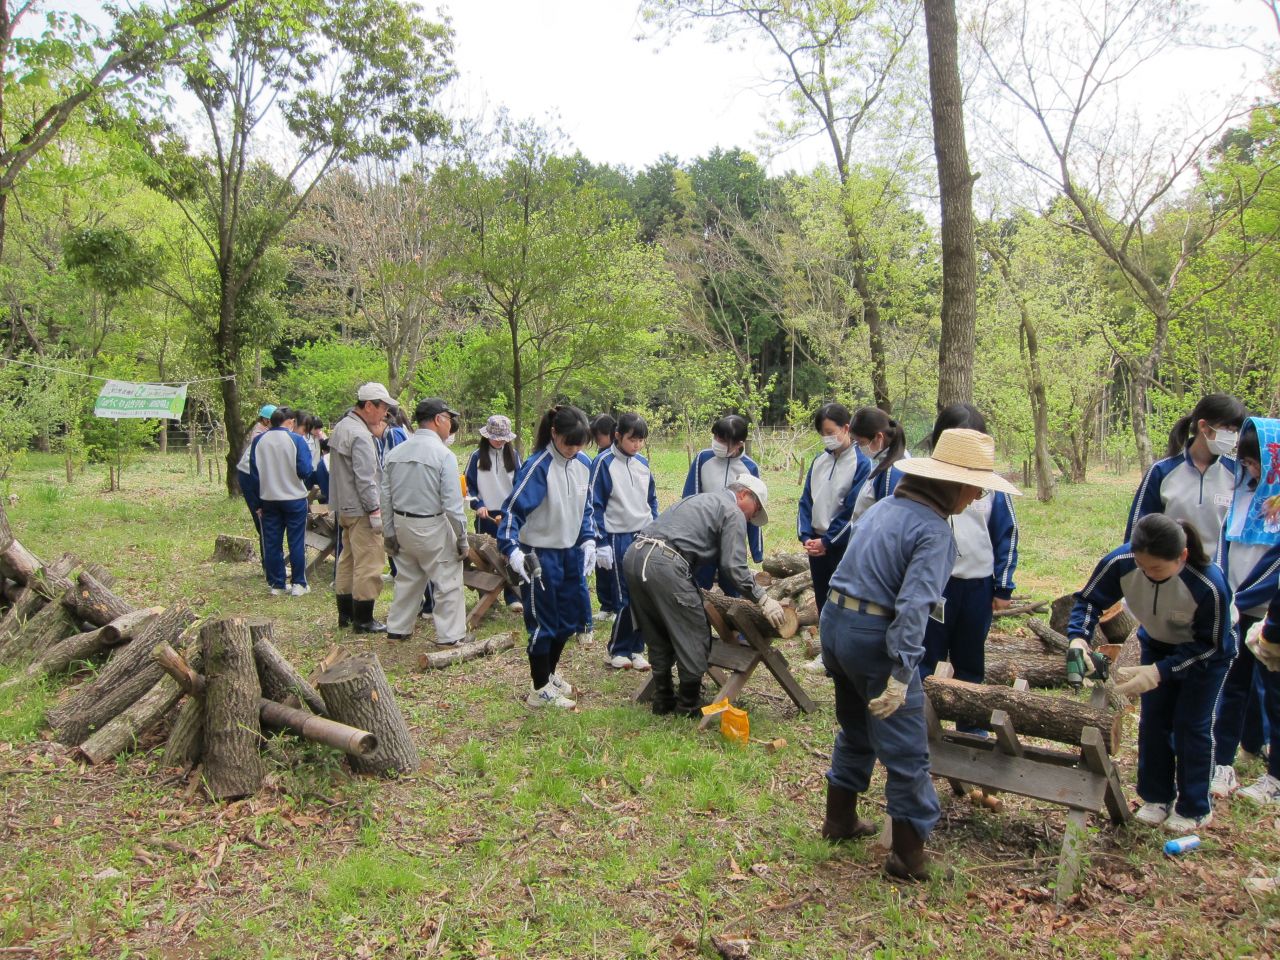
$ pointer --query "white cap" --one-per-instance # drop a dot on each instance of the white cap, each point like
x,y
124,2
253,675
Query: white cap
x,y
376,391
745,481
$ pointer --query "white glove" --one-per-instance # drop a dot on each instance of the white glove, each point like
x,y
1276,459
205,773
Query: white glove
x,y
516,562
773,611
604,557
1135,681
894,696
1268,654
588,558
1079,643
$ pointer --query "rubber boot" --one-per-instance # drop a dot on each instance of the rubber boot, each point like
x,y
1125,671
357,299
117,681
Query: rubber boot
x,y
362,618
842,821
345,610
907,860
664,693
689,698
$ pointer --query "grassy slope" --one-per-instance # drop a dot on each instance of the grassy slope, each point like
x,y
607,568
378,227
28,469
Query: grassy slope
x,y
600,833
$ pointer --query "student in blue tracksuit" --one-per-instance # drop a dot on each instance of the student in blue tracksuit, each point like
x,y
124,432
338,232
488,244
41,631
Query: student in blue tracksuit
x,y
490,474
280,465
714,469
1195,480
623,501
603,427
982,579
872,628
1249,555
1183,605
1263,641
547,519
831,488
249,486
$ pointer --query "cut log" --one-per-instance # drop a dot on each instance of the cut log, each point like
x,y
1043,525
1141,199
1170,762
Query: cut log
x,y
280,681
1042,670
95,603
1033,714
52,580
736,610
1022,609
463,652
356,692
1116,624
32,597
1051,638
6,532
228,549
101,574
1011,646
186,736
189,679
121,733
1060,612
85,645
232,766
790,586
783,565
806,609
18,563
357,743
130,673
49,626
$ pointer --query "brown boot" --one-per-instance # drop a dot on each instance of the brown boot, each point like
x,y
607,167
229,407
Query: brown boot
x,y
907,861
842,821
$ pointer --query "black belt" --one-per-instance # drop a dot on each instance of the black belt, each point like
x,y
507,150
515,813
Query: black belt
x,y
858,604
416,516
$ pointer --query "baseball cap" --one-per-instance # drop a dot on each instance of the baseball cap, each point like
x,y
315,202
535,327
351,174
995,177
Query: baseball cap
x,y
745,481
430,408
376,391
266,410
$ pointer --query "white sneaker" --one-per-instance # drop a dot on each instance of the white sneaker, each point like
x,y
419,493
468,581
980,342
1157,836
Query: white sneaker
x,y
561,684
587,638
638,662
299,590
279,591
1153,814
515,606
602,616
1180,826
814,666
1224,782
618,662
549,696
1265,790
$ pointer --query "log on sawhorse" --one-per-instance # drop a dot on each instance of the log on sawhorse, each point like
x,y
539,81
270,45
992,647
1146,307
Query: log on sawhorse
x,y
484,571
1083,781
322,535
731,665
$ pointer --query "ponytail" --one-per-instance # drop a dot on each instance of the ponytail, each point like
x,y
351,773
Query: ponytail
x,y
1219,409
1165,538
569,423
869,421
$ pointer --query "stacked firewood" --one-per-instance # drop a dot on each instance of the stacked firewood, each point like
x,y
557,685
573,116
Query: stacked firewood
x,y
236,684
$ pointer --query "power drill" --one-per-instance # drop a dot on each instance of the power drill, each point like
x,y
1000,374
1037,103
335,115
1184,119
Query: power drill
x,y
1077,671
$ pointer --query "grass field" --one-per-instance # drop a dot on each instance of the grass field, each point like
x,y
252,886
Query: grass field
x,y
600,833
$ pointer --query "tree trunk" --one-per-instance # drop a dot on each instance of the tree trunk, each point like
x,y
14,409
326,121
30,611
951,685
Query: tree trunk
x,y
1033,714
95,603
230,388
785,564
517,379
186,736
737,611
130,673
232,767
356,693
955,184
279,680
1140,375
228,549
875,328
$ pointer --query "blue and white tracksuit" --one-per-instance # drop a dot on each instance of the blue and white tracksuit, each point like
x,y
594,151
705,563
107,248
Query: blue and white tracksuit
x,y
490,489
707,474
624,500
899,557
280,465
606,589
1186,632
986,536
249,488
831,490
1253,574
1173,486
549,514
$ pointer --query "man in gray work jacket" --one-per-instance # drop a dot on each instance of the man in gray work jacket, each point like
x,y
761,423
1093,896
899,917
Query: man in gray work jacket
x,y
704,529
423,525
354,479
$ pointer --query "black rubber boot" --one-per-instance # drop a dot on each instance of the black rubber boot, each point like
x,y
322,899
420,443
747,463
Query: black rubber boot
x,y
689,698
842,821
344,610
907,861
362,618
664,693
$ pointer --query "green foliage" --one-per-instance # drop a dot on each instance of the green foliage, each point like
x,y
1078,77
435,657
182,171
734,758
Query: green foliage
x,y
323,376
109,258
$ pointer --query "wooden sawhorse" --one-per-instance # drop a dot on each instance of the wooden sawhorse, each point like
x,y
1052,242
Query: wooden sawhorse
x,y
322,535
483,571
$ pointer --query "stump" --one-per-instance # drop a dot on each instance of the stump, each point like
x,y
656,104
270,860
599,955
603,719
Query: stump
x,y
737,611
1117,623
356,692
280,681
807,609
1060,612
232,767
783,565
186,736
228,549
94,602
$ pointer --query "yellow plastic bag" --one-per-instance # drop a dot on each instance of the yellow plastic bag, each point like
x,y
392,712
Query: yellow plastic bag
x,y
735,725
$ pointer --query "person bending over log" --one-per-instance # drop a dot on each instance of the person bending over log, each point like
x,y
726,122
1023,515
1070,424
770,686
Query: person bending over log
x,y
872,628
704,530
1182,602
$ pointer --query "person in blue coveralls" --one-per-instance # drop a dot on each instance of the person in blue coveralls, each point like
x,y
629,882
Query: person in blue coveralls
x,y
280,465
548,537
872,629
1263,641
715,469
1182,604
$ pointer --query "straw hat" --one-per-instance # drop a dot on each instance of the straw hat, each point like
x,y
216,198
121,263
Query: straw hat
x,y
961,456
497,427
755,485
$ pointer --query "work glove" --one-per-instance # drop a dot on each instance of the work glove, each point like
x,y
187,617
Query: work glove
x,y
604,557
375,521
894,696
1268,654
1083,663
588,558
1135,681
463,546
773,612
516,562
391,544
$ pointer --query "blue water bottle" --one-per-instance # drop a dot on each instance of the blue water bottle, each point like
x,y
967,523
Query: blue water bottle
x,y
1181,845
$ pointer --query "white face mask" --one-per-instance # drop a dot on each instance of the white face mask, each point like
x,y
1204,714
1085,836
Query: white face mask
x,y
832,441
719,449
448,442
1223,443
866,451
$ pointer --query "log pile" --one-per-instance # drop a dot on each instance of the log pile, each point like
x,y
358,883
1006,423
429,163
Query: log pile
x,y
219,683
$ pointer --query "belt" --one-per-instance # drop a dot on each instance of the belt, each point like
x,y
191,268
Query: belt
x,y
416,516
653,543
855,603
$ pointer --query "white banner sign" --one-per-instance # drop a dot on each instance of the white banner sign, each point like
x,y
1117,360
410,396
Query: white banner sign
x,y
120,399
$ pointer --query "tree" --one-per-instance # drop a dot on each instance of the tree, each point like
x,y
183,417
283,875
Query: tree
x,y
350,78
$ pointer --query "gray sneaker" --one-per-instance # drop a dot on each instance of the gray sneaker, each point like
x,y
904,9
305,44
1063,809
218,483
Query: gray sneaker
x,y
549,696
